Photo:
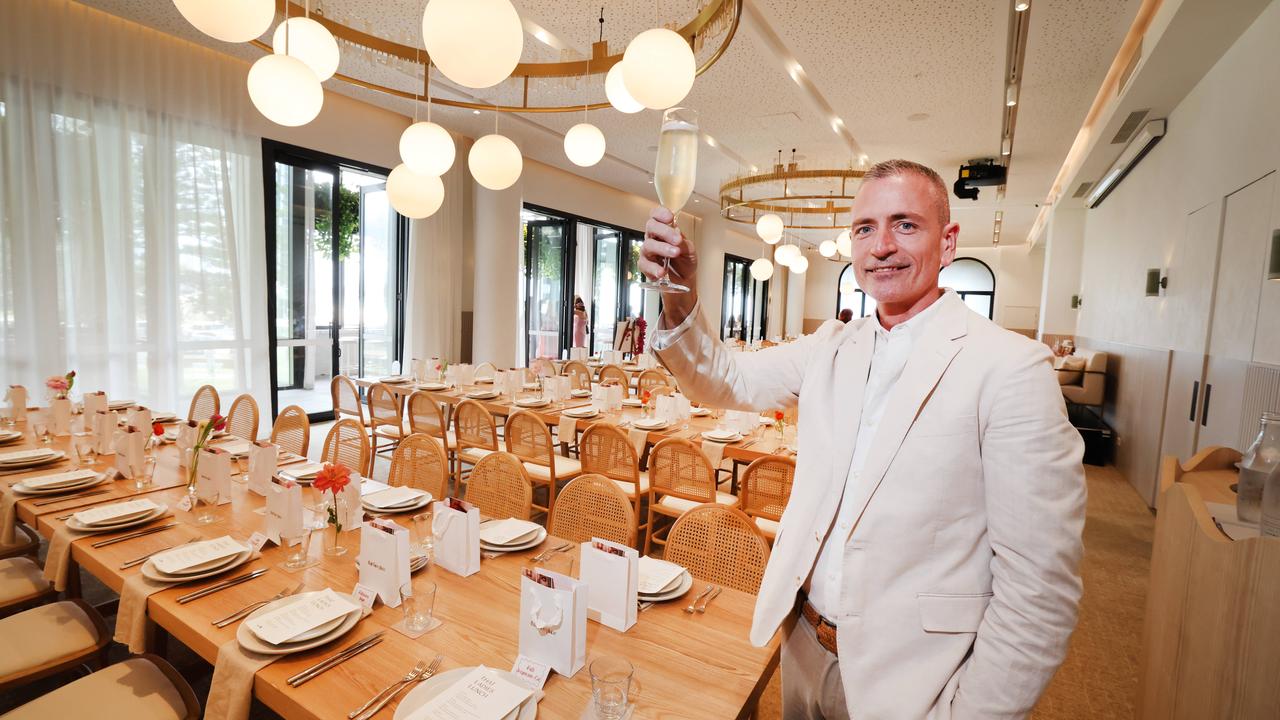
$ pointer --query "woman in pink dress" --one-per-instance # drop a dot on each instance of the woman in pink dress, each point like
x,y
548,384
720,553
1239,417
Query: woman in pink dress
x,y
579,322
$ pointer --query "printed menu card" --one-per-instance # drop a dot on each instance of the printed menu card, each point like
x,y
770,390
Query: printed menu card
x,y
114,511
186,556
482,694
656,575
281,626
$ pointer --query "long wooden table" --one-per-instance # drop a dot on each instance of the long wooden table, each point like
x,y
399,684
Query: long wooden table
x,y
690,666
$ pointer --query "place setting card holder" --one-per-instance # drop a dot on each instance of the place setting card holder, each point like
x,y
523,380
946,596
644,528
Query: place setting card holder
x,y
17,399
611,572
553,620
214,474
130,449
263,457
284,509
455,524
384,559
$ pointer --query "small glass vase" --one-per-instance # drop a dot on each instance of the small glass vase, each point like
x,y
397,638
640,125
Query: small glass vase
x,y
781,429
333,546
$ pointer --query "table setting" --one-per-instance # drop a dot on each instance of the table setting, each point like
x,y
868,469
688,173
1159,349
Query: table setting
x,y
510,535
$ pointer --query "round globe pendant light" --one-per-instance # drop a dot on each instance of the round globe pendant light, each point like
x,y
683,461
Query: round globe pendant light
x,y
785,254
584,144
310,42
232,21
762,269
844,244
285,90
495,162
475,43
827,248
615,88
413,195
659,68
427,149
847,286
769,228
799,264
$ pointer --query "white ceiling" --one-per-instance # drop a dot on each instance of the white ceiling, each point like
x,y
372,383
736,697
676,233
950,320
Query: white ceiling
x,y
909,78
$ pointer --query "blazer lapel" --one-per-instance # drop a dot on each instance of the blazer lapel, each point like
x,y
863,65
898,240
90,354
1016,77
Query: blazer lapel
x,y
852,362
941,340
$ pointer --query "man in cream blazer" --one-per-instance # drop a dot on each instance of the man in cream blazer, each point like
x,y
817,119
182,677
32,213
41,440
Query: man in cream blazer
x,y
932,536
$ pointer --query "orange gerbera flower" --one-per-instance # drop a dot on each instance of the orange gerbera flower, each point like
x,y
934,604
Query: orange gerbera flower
x,y
777,415
333,477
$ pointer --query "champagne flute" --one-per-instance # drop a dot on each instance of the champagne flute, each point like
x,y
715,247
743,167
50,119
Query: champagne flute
x,y
674,174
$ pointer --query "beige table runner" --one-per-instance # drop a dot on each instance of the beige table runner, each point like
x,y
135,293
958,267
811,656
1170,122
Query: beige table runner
x,y
231,691
131,617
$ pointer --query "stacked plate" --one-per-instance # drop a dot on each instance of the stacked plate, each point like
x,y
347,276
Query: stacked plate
x,y
9,436
164,417
533,402
510,535
722,435
197,561
661,580
530,386
632,402
236,447
482,394
486,380
433,386
586,411
36,457
302,472
254,632
417,562
120,404
651,423
59,483
436,684
395,379
699,412
395,500
116,516
581,393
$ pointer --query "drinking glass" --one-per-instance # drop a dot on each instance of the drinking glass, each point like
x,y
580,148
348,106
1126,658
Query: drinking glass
x,y
40,426
143,475
423,540
417,604
86,449
613,686
206,505
674,174
299,542
7,419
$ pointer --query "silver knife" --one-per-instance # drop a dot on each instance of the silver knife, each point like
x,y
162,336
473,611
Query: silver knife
x,y
132,535
336,659
220,586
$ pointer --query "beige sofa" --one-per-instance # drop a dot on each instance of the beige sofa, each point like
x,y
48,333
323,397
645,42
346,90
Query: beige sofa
x,y
1083,383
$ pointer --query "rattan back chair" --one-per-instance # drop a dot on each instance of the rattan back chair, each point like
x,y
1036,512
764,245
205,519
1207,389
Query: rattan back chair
x,y
611,374
593,506
347,444
475,435
528,438
486,370
242,418
657,390
292,430
500,487
429,416
204,404
720,545
420,462
766,487
650,379
579,374
543,367
680,478
346,399
605,449
385,418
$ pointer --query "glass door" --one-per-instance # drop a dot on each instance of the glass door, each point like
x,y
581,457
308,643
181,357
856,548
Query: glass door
x,y
370,280
744,305
604,311
548,303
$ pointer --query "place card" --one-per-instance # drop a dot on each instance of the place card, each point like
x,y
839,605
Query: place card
x,y
61,411
73,477
131,449
213,475
104,430
503,532
611,572
263,457
281,626
365,595
531,672
284,509
390,497
655,575
455,525
482,694
190,555
105,513
553,620
257,541
17,399
384,559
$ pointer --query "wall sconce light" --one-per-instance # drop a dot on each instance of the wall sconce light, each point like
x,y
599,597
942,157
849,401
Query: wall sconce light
x,y
1273,266
1157,282
1076,302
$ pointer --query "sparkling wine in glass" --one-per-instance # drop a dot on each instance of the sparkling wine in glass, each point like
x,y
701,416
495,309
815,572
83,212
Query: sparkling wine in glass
x,y
674,173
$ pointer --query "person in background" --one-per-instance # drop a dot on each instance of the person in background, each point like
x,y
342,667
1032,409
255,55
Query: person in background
x,y
846,315
579,322
933,534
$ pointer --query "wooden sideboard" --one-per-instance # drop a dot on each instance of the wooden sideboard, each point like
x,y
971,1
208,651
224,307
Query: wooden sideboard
x,y
1211,639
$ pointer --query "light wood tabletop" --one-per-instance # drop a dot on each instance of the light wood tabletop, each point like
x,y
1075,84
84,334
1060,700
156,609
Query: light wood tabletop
x,y
689,666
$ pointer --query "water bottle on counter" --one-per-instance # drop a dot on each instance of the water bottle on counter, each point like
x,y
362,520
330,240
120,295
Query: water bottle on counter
x,y
1270,524
1259,460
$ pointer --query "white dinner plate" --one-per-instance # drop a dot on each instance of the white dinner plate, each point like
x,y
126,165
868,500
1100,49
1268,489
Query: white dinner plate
x,y
253,643
539,535
581,393
484,381
721,437
417,562
533,402
166,417
395,379
120,404
21,457
686,582
121,519
586,412
9,436
414,504
530,386
632,402
651,424
482,394
433,386
97,479
91,529
151,572
437,684
699,412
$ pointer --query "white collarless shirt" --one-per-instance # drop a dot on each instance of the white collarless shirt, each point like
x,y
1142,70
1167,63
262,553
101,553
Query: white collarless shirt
x,y
892,350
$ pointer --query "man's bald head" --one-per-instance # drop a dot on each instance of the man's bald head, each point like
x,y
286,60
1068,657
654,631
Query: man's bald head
x,y
894,168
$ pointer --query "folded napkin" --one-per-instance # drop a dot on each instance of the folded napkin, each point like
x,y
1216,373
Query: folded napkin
x,y
714,452
231,690
57,562
8,516
131,616
567,429
638,438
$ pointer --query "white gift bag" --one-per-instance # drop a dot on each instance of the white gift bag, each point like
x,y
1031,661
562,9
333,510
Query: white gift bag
x,y
93,402
665,408
61,410
352,510
284,509
104,431
514,383
131,447
466,374
213,474
419,369
139,417
612,574
17,398
263,457
456,526
578,353
188,433
384,559
553,620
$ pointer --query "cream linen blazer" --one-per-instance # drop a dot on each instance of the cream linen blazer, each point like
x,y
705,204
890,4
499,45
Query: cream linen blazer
x,y
960,574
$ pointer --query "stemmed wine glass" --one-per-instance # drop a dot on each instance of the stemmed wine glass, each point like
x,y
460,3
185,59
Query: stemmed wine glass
x,y
674,173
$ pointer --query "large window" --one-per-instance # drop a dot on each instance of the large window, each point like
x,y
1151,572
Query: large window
x,y
971,278
744,307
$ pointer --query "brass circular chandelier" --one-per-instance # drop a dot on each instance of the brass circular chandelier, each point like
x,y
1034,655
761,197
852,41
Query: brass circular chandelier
x,y
804,198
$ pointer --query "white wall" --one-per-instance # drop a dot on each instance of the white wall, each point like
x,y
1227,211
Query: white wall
x,y
1063,249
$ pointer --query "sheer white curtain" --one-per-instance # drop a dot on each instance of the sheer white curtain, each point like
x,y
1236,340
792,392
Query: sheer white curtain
x,y
130,210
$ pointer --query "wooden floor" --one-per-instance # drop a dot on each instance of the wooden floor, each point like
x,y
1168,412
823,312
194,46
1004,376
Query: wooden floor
x,y
1100,676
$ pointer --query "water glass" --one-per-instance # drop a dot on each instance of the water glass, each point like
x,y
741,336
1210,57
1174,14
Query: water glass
x,y
417,604
299,542
40,426
87,449
142,476
206,505
613,686
424,540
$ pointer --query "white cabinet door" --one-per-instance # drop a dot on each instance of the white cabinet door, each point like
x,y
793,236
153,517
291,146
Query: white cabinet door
x,y
1221,403
1241,265
1182,404
1266,343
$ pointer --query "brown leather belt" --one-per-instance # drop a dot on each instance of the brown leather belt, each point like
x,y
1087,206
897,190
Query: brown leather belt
x,y
822,627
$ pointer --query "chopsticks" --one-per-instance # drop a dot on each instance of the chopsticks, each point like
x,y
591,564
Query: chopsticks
x,y
132,535
183,600
336,659
65,498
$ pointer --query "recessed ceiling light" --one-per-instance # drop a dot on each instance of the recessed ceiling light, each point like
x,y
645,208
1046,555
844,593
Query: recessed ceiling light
x,y
1022,5
1011,95
917,117
475,112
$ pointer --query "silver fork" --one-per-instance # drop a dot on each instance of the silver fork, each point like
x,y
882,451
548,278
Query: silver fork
x,y
707,601
409,677
430,671
702,594
551,551
254,606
